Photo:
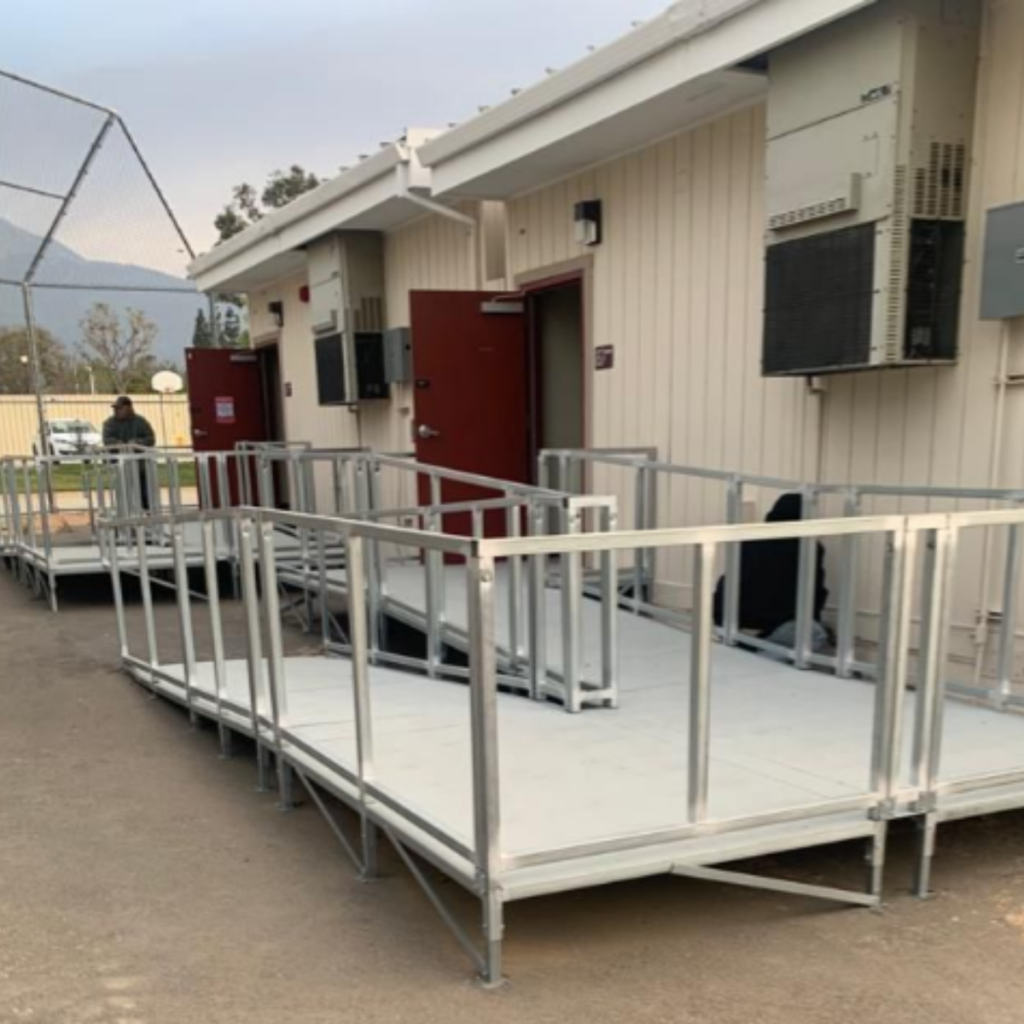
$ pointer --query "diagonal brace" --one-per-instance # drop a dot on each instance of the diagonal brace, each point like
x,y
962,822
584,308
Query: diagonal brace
x,y
819,892
346,845
439,905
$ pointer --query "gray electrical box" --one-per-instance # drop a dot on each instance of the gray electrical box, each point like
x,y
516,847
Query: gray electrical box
x,y
1002,279
398,355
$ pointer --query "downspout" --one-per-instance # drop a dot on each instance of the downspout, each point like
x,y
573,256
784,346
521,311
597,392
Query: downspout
x,y
470,223
995,465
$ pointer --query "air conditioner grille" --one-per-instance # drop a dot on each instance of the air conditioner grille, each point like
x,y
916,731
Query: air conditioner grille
x,y
370,315
940,187
819,300
897,268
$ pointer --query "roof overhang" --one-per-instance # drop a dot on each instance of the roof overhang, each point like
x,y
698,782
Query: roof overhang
x,y
679,70
373,196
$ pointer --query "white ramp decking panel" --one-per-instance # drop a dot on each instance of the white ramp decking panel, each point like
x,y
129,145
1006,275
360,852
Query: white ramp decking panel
x,y
781,739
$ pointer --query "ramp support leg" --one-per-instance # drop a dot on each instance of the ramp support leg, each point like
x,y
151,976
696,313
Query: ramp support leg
x,y
927,829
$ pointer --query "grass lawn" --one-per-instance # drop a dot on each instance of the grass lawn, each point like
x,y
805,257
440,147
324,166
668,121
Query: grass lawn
x,y
68,477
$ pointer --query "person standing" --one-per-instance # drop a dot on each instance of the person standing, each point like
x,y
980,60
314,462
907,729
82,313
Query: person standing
x,y
127,431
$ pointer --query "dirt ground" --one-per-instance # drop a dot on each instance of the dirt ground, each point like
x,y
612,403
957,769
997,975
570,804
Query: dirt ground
x,y
143,881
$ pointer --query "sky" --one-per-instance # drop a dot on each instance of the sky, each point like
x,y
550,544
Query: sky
x,y
223,91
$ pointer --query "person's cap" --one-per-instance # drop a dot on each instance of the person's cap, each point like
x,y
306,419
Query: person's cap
x,y
122,402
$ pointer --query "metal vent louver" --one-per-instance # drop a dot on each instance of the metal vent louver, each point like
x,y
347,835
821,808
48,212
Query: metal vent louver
x,y
939,188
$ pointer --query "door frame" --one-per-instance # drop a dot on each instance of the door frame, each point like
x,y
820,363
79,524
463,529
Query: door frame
x,y
581,271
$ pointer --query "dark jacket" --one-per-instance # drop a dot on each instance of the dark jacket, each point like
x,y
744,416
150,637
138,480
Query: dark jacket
x,y
769,571
133,430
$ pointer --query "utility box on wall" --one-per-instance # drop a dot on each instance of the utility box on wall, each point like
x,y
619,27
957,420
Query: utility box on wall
x,y
398,355
870,123
1002,279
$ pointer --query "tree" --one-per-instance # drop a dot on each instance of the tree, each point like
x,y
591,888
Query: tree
x,y
121,354
202,335
231,328
284,187
247,206
56,365
229,222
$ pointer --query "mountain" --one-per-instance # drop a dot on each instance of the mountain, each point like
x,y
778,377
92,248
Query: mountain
x,y
60,311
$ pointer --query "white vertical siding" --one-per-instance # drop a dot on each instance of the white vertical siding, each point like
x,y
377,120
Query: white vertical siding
x,y
938,426
676,288
434,253
304,418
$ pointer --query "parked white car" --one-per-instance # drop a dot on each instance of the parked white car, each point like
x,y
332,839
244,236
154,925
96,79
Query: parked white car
x,y
70,439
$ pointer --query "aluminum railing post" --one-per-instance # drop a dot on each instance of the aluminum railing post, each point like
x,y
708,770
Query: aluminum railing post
x,y
639,519
355,559
254,645
806,586
220,681
931,696
486,763
435,586
734,516
572,616
846,633
538,624
513,528
937,589
1008,625
891,685
108,538
699,746
275,661
184,596
146,585
609,611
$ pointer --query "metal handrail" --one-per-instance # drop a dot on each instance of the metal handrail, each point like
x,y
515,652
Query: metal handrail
x,y
888,789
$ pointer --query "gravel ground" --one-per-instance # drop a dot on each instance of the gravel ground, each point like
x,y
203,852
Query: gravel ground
x,y
143,881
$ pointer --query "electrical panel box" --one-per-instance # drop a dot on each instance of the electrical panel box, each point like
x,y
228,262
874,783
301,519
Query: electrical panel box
x,y
398,355
870,123
1002,279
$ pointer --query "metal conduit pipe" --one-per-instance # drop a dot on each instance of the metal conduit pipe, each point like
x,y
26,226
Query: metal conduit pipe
x,y
995,465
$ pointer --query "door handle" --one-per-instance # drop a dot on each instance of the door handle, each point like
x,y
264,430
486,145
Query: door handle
x,y
200,433
425,433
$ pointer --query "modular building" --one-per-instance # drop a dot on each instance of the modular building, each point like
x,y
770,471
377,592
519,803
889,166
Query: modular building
x,y
751,234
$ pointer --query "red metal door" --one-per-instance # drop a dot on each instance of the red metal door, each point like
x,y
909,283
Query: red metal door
x,y
226,402
472,401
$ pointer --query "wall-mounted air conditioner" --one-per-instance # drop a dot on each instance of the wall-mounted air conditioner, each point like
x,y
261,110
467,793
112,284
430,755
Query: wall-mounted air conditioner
x,y
351,369
346,285
869,134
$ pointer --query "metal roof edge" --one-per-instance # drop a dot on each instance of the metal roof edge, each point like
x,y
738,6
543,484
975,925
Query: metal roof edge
x,y
313,202
684,20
